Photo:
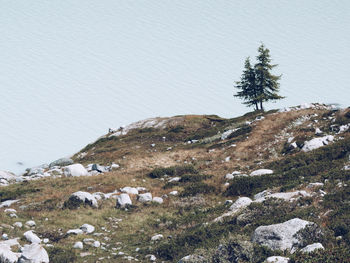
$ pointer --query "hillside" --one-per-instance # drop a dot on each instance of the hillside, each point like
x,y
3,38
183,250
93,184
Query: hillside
x,y
264,187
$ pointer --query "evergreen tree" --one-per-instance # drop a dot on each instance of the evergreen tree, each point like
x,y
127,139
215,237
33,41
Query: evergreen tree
x,y
267,84
257,83
247,86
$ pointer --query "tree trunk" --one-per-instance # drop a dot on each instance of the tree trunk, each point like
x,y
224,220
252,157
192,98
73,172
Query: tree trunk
x,y
261,106
256,106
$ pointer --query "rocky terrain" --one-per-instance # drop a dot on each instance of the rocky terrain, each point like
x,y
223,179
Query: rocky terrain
x,y
264,187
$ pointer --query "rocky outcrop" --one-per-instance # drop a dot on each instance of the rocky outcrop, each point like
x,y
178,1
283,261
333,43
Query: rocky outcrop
x,y
289,235
34,253
75,170
61,162
123,201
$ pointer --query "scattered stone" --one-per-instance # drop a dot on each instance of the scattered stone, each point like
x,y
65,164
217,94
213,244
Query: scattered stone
x,y
123,200
31,237
157,237
191,259
151,257
34,253
174,193
288,196
312,248
75,231
30,223
99,168
88,229
130,190
78,245
144,198
261,172
158,200
81,198
8,203
317,143
75,170
236,207
277,259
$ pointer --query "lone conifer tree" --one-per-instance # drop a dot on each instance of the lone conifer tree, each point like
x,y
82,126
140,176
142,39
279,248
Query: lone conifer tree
x,y
267,84
257,83
247,86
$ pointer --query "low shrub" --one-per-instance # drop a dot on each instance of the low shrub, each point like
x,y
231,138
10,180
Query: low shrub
x,y
60,255
197,188
177,170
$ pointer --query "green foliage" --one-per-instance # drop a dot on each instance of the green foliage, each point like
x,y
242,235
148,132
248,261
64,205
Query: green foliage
x,y
257,83
194,177
197,188
15,191
61,255
177,170
243,130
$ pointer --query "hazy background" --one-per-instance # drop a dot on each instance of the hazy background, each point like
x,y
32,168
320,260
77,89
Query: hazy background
x,y
69,70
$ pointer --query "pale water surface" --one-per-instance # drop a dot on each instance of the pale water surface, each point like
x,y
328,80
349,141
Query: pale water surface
x,y
71,69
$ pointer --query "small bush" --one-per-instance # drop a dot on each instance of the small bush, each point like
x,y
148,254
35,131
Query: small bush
x,y
60,255
177,170
197,188
243,130
194,177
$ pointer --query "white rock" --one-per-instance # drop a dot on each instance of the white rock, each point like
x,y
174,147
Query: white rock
x,y
130,190
85,198
240,203
143,198
31,237
78,245
287,196
18,224
236,207
88,229
229,176
75,170
158,200
318,131
157,237
8,176
115,166
262,194
174,179
61,162
5,236
10,210
261,172
30,223
280,236
277,259
123,200
151,257
191,258
174,193
34,253
46,240
75,231
8,203
6,255
317,143
312,247
96,244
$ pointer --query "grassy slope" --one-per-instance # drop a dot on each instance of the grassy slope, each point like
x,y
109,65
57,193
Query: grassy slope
x,y
182,217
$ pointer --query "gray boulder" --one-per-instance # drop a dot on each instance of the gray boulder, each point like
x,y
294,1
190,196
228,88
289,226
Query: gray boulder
x,y
61,162
34,253
289,235
81,198
123,200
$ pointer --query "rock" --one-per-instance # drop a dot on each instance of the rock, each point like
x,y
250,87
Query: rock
x,y
34,253
31,237
46,240
30,223
157,237
88,229
18,224
10,210
283,236
312,248
75,231
143,198
174,193
130,190
81,198
236,207
78,245
34,171
158,200
151,257
61,162
99,168
229,176
75,170
8,176
317,143
96,244
261,172
174,179
8,203
262,194
192,259
123,200
6,255
115,166
288,196
5,236
277,259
